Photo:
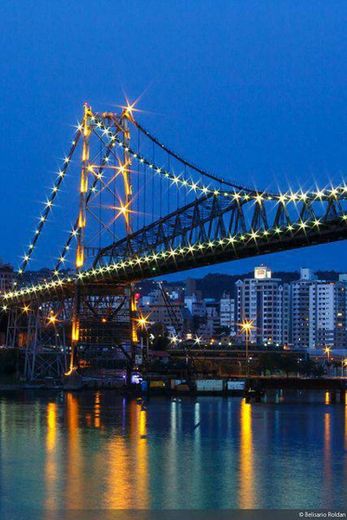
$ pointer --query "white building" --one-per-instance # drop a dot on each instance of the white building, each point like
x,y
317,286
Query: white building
x,y
300,309
265,301
319,312
227,313
195,305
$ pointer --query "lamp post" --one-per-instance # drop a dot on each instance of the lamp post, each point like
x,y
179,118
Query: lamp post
x,y
246,328
327,350
343,364
142,323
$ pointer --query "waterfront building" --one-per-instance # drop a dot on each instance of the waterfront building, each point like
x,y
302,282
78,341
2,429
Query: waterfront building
x,y
227,313
212,316
265,301
300,309
170,314
318,312
340,330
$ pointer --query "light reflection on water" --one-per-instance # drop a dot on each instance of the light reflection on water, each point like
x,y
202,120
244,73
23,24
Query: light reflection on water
x,y
101,451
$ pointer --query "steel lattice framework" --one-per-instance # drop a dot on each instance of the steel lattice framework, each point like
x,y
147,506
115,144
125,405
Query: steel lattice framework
x,y
196,219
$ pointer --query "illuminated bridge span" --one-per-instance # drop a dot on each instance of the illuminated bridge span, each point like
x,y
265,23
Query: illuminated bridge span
x,y
144,211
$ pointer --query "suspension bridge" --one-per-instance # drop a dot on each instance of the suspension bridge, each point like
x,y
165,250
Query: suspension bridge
x,y
141,211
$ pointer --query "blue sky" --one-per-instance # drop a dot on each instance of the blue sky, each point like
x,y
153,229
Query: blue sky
x,y
252,90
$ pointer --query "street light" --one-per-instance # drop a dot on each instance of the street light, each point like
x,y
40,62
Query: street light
x,y
142,323
344,364
327,350
246,328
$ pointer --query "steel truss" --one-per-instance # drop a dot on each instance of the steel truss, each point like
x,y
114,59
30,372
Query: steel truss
x,y
208,227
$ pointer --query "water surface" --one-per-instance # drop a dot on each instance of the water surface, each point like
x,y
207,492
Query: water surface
x,y
97,450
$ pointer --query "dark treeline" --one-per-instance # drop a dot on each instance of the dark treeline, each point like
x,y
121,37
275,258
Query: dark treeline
x,y
214,285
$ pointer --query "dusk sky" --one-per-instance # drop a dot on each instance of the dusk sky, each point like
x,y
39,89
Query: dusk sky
x,y
255,91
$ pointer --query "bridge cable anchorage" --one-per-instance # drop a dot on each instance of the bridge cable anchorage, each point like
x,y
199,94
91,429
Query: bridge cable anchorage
x,y
49,202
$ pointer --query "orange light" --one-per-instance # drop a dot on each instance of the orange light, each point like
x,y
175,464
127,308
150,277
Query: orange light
x,y
84,184
80,256
81,220
75,333
26,308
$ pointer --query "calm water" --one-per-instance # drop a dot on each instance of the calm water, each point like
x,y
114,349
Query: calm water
x,y
99,451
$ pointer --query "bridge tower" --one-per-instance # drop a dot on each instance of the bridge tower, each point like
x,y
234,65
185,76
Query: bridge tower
x,y
88,313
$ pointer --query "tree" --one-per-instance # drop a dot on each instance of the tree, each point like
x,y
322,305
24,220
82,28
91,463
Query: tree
x,y
159,335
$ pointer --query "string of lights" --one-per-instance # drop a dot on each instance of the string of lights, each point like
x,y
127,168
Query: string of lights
x,y
191,185
152,259
49,203
75,229
211,176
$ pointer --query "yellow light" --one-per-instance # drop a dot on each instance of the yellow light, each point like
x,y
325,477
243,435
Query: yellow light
x,y
122,168
247,326
143,321
52,319
84,184
26,308
81,220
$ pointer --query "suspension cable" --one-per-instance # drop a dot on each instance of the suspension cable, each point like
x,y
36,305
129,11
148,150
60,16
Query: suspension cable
x,y
188,163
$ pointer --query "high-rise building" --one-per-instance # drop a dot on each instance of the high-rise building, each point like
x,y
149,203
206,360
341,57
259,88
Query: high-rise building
x,y
318,312
321,314
300,309
227,313
340,332
265,301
